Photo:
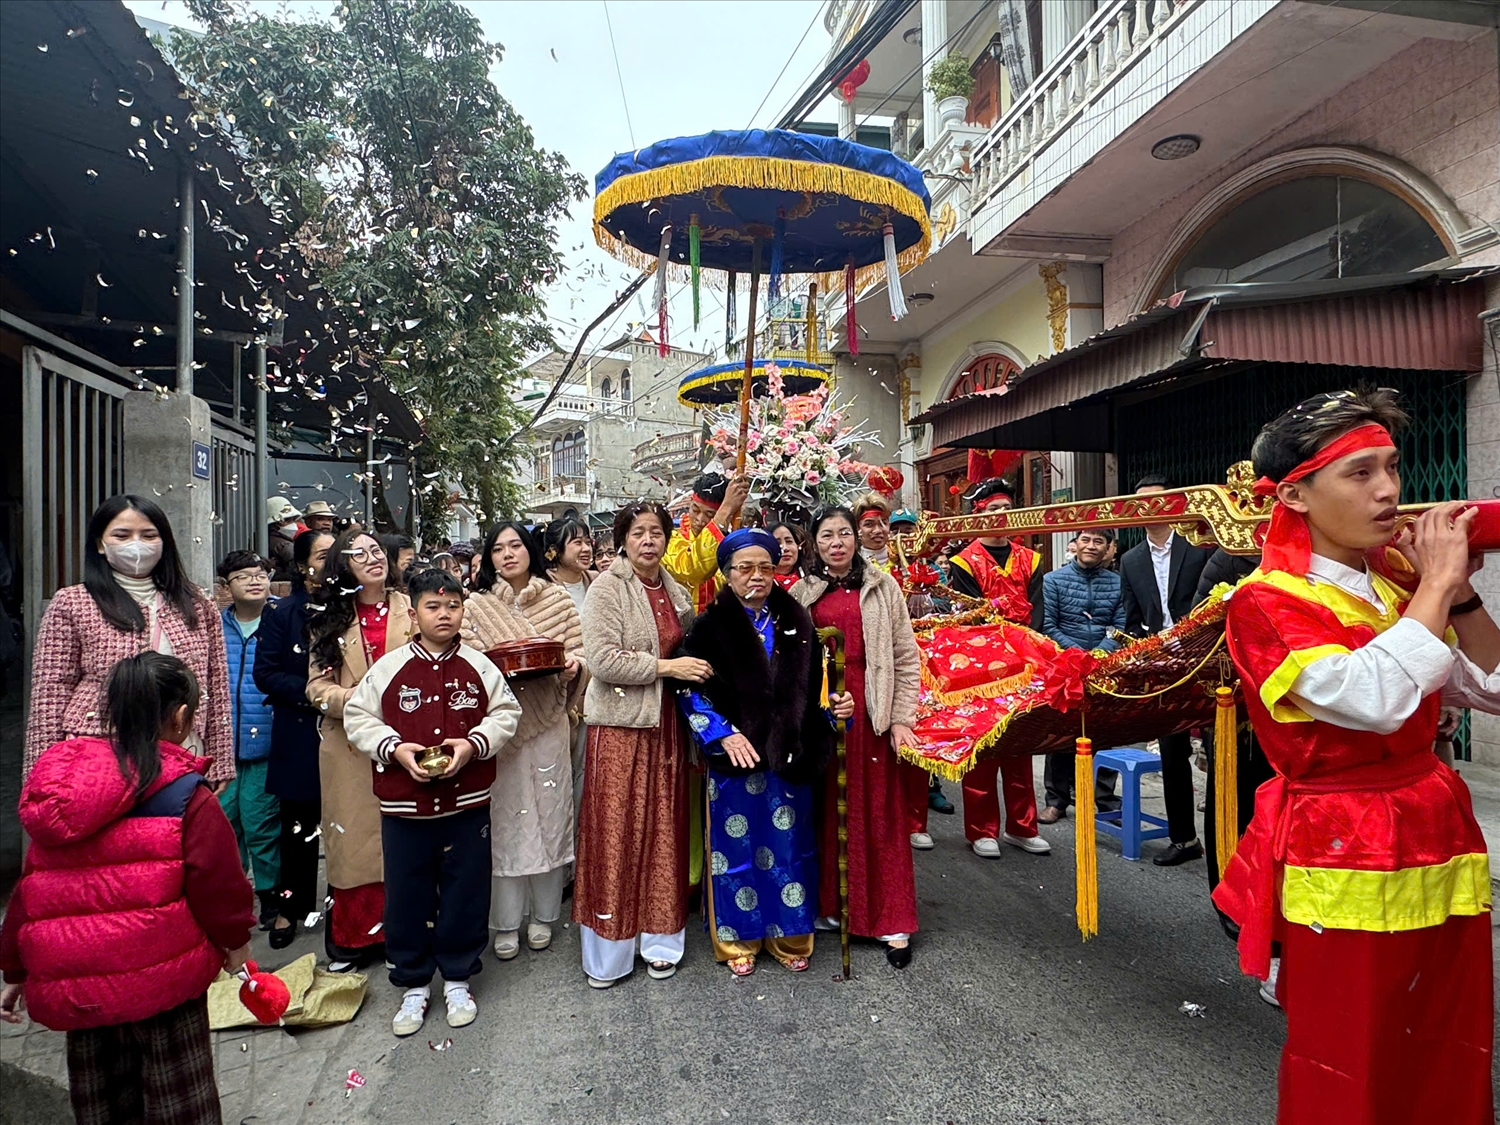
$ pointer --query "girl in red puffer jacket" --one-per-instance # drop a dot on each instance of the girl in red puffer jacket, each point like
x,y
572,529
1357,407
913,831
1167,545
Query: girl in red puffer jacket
x,y
132,894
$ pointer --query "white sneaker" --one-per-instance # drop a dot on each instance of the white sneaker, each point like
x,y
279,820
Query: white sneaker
x,y
1033,844
413,1011
538,935
507,944
461,1006
1268,986
987,846
921,841
826,925
341,966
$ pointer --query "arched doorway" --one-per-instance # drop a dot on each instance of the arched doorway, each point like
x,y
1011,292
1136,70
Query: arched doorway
x,y
939,473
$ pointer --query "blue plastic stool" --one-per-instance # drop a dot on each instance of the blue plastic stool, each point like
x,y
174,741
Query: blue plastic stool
x,y
1126,824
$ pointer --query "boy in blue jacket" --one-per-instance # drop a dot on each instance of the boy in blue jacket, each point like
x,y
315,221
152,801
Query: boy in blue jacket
x,y
254,813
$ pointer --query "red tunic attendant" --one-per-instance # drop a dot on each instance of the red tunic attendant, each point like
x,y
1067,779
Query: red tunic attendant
x,y
1007,586
1363,857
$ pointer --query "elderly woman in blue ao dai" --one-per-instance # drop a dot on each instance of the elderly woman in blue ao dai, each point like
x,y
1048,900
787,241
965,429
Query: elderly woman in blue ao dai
x,y
760,724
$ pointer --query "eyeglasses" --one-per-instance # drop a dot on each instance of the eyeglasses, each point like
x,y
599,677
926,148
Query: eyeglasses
x,y
747,570
248,576
365,554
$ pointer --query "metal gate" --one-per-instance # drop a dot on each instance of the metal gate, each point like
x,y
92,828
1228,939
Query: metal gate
x,y
72,423
236,508
1193,435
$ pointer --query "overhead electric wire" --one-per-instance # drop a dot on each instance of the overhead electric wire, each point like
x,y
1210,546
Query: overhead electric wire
x,y
816,12
618,73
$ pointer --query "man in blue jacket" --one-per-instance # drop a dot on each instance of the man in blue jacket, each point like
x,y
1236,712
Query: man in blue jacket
x,y
1081,608
254,813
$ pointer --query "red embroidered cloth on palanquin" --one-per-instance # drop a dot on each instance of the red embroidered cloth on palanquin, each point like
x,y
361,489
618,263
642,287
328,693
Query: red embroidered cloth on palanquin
x,y
995,687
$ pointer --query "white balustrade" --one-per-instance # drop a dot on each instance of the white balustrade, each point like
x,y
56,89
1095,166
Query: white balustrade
x,y
1119,34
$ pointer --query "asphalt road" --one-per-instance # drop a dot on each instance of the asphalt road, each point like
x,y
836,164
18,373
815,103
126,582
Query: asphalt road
x,y
1003,1016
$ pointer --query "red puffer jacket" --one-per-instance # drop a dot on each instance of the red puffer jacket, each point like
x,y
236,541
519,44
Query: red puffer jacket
x,y
126,906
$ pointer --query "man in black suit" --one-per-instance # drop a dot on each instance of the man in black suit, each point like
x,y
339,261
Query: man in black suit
x,y
1159,585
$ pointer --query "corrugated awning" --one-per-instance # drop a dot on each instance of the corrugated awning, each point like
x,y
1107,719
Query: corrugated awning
x,y
1413,322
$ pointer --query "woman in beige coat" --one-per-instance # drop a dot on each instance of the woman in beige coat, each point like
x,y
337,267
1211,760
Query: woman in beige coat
x,y
630,882
531,801
883,673
570,554
359,622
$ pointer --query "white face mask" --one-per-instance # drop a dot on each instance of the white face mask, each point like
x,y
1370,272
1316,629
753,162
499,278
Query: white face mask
x,y
136,558
287,531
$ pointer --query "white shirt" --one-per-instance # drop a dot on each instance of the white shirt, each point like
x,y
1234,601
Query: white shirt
x,y
1161,564
1378,687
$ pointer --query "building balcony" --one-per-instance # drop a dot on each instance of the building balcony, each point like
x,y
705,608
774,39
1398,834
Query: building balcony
x,y
574,405
668,456
559,490
1153,95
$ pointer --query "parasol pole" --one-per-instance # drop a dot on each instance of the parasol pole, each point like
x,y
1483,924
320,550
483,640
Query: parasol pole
x,y
745,388
835,637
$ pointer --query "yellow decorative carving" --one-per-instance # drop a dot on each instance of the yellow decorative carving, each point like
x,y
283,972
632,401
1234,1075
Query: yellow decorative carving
x,y
947,222
1057,302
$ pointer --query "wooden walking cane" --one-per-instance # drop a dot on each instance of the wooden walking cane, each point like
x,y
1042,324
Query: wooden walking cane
x,y
836,636
746,385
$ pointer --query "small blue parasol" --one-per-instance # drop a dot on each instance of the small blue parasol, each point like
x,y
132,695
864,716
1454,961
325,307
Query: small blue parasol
x,y
721,384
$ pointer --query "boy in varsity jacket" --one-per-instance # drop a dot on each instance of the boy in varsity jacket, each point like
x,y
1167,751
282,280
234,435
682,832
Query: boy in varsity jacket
x,y
434,692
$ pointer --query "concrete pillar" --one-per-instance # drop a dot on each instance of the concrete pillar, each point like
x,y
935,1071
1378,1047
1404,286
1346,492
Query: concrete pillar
x,y
934,40
167,443
262,457
912,402
185,278
1483,437
848,122
370,477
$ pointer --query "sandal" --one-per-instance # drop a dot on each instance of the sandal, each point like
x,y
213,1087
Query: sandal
x,y
797,964
660,970
742,966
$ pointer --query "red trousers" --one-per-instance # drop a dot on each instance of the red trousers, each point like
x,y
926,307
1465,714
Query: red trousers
x,y
1387,1028
982,798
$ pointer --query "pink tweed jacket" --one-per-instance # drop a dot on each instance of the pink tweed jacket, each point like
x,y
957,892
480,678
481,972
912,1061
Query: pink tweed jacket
x,y
75,650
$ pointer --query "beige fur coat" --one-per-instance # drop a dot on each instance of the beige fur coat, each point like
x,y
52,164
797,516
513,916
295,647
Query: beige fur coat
x,y
893,671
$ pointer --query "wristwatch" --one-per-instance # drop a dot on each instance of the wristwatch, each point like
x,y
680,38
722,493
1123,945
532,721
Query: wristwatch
x,y
1469,606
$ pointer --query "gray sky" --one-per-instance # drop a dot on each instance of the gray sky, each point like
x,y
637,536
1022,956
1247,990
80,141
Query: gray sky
x,y
688,67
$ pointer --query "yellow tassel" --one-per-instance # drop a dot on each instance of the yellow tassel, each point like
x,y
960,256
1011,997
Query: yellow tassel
x,y
1087,859
823,698
1226,779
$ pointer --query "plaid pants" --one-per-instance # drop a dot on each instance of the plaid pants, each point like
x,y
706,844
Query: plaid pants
x,y
157,1071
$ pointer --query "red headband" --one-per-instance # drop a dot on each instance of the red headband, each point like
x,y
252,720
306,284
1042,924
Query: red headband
x,y
1288,544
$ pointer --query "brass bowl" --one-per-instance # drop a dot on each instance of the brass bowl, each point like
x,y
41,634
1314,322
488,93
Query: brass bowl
x,y
435,760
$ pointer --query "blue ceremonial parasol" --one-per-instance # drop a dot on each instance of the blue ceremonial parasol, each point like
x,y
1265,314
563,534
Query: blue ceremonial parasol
x,y
721,384
824,206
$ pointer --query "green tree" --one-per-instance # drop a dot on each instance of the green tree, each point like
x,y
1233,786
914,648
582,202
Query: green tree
x,y
418,193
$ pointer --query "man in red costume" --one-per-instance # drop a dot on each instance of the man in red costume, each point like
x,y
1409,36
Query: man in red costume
x,y
1363,857
1009,576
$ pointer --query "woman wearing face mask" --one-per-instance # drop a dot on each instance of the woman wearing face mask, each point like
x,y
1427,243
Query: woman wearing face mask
x,y
359,622
134,597
531,801
292,775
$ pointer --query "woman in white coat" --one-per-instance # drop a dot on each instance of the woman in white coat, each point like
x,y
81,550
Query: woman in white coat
x,y
531,802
